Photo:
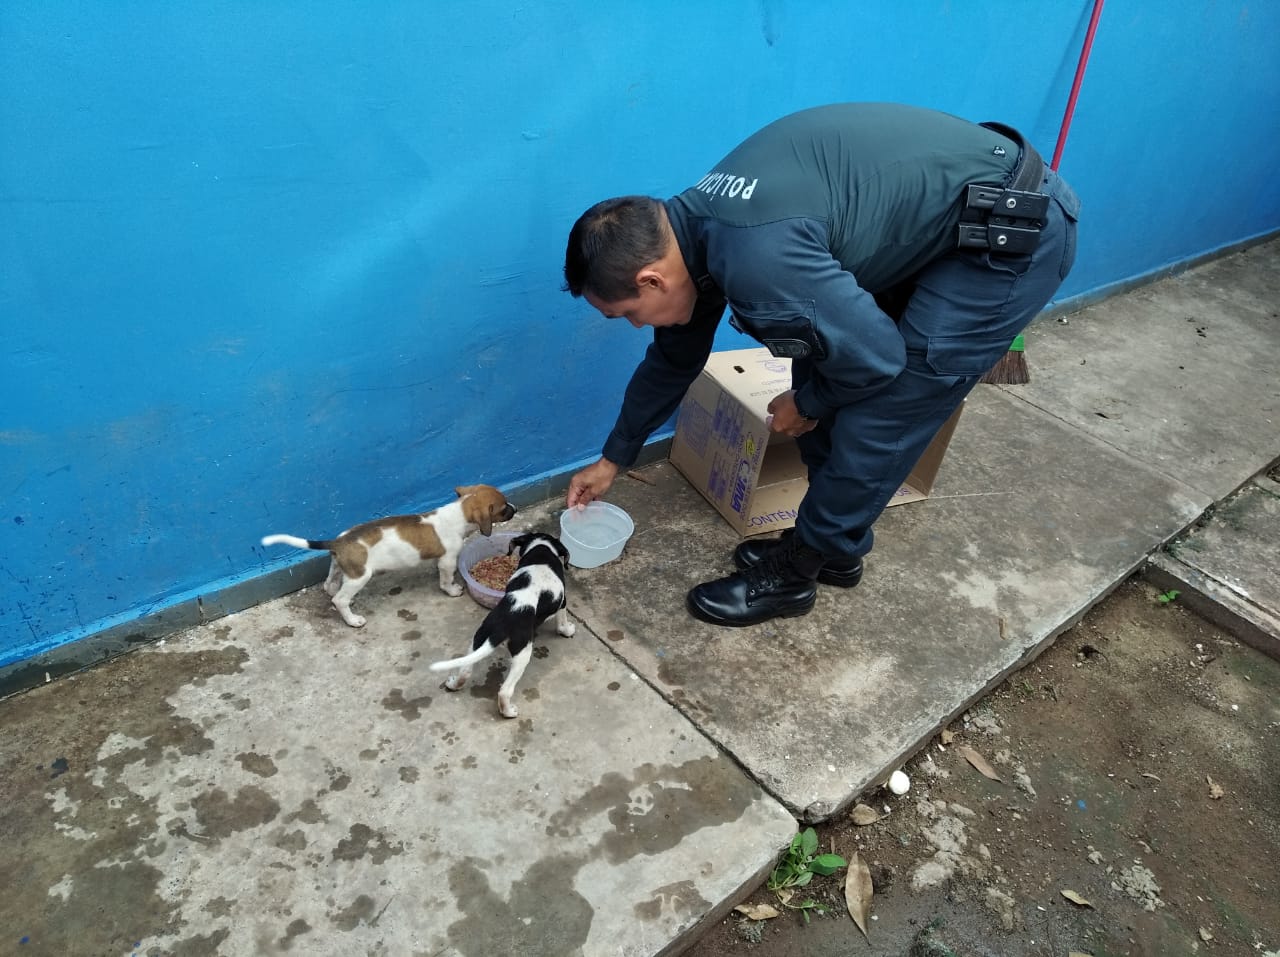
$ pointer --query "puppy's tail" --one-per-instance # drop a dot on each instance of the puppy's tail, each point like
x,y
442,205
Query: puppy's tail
x,y
297,542
484,651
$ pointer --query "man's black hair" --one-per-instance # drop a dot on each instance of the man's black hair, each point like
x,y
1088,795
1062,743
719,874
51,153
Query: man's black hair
x,y
610,243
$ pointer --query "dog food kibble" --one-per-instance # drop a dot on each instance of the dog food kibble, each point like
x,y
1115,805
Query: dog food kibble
x,y
493,572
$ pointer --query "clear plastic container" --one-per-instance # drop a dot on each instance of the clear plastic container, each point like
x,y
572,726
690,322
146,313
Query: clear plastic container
x,y
475,550
595,534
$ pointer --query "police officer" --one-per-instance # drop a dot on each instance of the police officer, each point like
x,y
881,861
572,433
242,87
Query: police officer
x,y
891,252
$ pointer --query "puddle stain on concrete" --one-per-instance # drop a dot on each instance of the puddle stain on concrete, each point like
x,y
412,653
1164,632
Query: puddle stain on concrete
x,y
362,909
360,841
295,930
293,842
220,907
92,825
659,806
308,812
559,921
258,764
681,899
410,709
338,780
199,946
217,817
493,678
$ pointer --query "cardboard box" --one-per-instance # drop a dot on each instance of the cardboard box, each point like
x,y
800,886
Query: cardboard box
x,y
755,478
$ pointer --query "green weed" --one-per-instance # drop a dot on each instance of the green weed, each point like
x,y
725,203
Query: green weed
x,y
798,866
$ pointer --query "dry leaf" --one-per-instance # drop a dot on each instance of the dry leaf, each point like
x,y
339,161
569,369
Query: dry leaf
x,y
1079,953
785,894
1076,898
863,815
640,477
1215,789
948,735
1205,935
858,892
757,911
1004,634
979,762
1153,777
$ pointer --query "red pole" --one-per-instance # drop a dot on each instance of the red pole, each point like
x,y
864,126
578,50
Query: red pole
x,y
1075,85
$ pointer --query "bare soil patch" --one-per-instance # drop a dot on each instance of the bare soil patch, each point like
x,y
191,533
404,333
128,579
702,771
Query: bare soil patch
x,y
1139,773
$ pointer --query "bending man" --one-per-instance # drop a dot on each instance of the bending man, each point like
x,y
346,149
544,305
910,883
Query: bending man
x,y
891,252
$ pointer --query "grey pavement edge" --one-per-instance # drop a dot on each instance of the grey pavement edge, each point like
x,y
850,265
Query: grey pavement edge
x,y
1225,567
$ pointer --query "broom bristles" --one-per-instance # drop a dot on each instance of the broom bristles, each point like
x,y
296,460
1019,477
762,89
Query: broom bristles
x,y
1011,369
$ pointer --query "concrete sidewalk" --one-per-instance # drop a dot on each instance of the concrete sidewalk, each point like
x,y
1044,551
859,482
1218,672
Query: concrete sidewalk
x,y
277,782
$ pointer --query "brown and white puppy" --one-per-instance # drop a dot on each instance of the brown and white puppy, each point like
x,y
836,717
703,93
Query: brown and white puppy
x,y
535,592
404,541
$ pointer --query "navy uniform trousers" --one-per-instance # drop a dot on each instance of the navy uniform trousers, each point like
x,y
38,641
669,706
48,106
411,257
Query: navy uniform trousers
x,y
965,310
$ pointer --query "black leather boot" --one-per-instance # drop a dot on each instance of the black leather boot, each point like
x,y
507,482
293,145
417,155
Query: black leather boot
x,y
841,572
780,586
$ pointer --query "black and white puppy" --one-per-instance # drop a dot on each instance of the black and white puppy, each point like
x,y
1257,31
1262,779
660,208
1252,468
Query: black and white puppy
x,y
535,592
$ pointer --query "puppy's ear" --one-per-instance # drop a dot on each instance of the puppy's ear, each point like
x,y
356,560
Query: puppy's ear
x,y
485,521
561,550
463,490
519,542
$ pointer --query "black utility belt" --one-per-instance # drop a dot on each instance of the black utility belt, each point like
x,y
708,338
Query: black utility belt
x,y
1004,221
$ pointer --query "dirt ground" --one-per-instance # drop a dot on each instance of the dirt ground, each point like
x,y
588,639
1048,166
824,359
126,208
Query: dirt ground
x,y
1139,769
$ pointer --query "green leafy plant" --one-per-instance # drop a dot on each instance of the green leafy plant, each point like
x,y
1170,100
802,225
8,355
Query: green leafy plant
x,y
1165,597
798,866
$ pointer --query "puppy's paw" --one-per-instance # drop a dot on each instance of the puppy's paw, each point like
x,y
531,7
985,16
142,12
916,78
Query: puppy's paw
x,y
454,682
567,630
507,709
355,621
452,589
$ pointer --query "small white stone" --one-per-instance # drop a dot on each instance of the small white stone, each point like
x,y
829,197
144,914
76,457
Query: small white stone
x,y
899,783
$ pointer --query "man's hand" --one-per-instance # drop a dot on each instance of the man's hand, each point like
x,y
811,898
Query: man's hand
x,y
786,419
591,483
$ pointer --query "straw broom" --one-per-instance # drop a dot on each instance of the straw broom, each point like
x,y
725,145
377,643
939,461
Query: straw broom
x,y
1012,367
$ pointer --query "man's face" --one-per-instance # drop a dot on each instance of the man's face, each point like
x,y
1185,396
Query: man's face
x,y
653,305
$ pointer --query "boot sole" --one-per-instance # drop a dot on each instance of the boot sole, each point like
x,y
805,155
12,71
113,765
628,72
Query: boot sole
x,y
840,579
794,611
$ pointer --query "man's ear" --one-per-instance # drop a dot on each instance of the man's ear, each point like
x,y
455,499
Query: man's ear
x,y
651,277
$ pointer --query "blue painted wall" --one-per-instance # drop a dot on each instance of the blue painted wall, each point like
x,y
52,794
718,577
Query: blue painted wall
x,y
286,266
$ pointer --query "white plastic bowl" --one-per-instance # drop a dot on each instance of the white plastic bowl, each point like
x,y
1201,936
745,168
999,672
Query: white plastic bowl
x,y
475,550
595,534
